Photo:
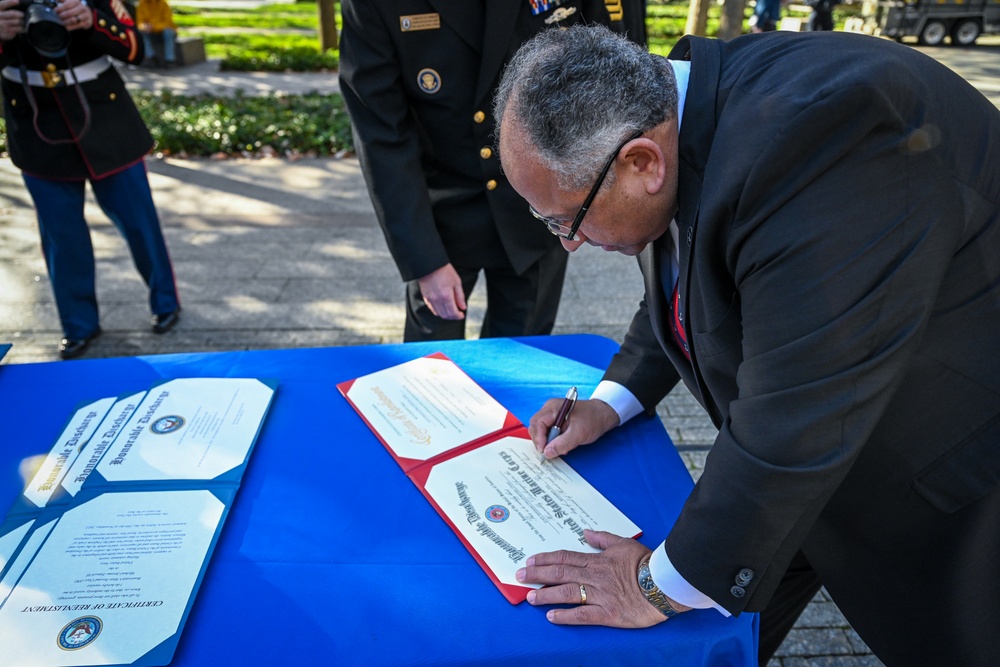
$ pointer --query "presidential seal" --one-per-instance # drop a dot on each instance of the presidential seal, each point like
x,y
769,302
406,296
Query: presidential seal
x,y
167,424
497,513
429,80
79,633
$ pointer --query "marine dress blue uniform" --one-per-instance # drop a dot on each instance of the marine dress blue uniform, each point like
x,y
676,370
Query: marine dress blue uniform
x,y
70,120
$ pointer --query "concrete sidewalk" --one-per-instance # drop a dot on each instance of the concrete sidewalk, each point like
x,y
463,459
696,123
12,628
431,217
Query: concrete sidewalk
x,y
205,78
273,253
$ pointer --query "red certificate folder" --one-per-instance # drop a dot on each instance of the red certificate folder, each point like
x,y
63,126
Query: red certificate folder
x,y
413,430
476,465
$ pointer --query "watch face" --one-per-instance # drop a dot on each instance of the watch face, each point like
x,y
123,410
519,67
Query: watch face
x,y
645,580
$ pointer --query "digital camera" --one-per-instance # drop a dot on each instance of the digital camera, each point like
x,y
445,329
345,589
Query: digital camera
x,y
44,29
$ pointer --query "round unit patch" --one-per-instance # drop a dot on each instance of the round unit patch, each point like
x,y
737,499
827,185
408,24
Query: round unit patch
x,y
167,424
497,513
79,633
429,80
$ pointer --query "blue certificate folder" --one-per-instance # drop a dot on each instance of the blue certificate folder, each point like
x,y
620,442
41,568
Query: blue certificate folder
x,y
102,554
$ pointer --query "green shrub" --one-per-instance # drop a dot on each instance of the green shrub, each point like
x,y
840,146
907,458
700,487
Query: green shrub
x,y
203,125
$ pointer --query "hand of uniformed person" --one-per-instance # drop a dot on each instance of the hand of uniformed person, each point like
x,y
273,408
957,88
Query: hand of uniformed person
x,y
11,20
589,420
610,580
443,293
75,14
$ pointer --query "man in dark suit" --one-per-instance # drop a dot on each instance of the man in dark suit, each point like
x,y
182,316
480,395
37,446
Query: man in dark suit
x,y
418,78
817,221
70,120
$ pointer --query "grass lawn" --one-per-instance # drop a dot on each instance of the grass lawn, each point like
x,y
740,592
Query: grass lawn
x,y
271,29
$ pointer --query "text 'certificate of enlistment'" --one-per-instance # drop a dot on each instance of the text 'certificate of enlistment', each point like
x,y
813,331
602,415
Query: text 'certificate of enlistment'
x,y
508,505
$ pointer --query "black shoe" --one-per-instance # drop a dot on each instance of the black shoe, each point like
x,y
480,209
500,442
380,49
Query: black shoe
x,y
70,348
166,322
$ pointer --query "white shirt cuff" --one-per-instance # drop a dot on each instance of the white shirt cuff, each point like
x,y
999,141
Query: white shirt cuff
x,y
676,587
619,398
664,574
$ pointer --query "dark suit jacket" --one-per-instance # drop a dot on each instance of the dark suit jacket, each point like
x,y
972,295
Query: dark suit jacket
x,y
116,138
840,284
418,78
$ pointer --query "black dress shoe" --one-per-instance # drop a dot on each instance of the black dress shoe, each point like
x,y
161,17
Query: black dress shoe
x,y
70,348
166,322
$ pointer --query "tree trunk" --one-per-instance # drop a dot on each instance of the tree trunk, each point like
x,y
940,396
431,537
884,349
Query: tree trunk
x,y
327,25
697,18
731,21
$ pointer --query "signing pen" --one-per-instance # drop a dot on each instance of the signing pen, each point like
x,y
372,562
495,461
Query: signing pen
x,y
563,415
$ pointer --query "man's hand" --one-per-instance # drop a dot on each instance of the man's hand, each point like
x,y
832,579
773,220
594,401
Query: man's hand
x,y
443,294
589,421
11,20
610,579
75,14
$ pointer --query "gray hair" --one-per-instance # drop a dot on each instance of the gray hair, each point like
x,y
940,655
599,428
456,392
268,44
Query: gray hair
x,y
578,92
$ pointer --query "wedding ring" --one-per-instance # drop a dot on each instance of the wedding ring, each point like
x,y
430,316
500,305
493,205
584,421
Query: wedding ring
x,y
583,594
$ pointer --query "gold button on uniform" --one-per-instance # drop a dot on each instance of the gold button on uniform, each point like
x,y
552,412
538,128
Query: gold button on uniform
x,y
491,184
479,117
485,152
113,96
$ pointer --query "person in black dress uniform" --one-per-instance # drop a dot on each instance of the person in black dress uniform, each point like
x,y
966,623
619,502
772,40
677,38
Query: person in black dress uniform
x,y
418,78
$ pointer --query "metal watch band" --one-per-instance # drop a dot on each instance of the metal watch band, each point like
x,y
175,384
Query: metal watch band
x,y
652,592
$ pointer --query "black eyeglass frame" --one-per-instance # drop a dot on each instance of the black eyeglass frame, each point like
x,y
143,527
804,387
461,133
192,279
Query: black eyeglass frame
x,y
555,225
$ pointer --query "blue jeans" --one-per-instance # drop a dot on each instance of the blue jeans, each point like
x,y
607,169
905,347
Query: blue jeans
x,y
169,42
126,199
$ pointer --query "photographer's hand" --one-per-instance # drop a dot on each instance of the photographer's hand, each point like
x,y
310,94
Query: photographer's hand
x,y
11,20
75,14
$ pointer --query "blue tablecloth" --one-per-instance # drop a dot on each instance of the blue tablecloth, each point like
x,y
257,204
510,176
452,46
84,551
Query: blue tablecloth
x,y
330,556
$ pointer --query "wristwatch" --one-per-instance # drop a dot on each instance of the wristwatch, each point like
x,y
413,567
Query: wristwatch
x,y
652,591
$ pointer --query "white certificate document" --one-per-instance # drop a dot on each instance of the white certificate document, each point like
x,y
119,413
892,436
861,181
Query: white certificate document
x,y
112,581
507,505
189,428
91,455
476,464
78,431
425,407
105,573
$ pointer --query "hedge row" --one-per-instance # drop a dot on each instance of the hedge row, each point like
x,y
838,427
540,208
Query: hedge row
x,y
205,125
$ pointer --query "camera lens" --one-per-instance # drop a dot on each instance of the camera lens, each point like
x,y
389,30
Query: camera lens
x,y
46,32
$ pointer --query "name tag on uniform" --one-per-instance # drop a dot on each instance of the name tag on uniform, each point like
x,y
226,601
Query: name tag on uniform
x,y
419,22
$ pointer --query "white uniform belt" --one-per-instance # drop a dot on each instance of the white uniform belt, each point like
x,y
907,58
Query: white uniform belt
x,y
44,79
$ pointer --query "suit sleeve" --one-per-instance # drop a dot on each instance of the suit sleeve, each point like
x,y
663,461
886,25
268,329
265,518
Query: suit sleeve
x,y
387,141
641,365
834,302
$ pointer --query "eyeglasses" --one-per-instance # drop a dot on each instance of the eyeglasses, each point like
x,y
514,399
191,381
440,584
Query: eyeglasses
x,y
557,226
